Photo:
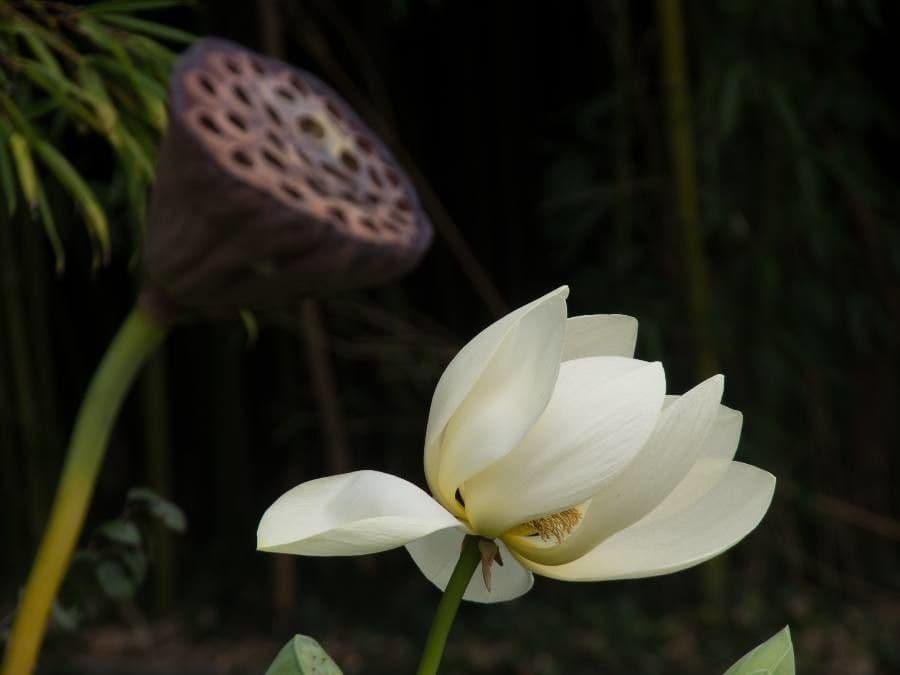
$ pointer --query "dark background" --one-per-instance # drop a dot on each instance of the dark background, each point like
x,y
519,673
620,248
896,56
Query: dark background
x,y
543,133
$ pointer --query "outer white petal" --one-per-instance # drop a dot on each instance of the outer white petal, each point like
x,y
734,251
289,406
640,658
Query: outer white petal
x,y
504,403
671,451
350,514
600,335
436,556
602,412
715,459
461,376
652,547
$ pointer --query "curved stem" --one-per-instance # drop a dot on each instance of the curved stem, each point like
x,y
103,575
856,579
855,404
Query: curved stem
x,y
136,340
469,558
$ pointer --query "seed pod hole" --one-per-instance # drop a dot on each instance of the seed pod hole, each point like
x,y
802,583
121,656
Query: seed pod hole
x,y
275,140
272,160
207,85
233,66
334,110
299,85
241,94
242,158
207,122
338,214
336,172
311,126
373,174
291,191
316,186
286,94
273,114
237,121
365,145
348,159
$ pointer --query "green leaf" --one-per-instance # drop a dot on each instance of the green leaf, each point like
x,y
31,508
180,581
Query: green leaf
x,y
136,563
775,656
68,94
114,580
66,618
25,168
251,326
40,51
151,93
87,202
132,6
121,531
7,179
49,222
153,28
92,83
303,656
153,53
168,513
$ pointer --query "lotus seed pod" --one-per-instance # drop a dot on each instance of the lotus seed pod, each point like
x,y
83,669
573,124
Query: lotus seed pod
x,y
303,656
270,188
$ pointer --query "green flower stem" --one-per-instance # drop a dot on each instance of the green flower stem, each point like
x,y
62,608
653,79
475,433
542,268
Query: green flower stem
x,y
137,338
469,558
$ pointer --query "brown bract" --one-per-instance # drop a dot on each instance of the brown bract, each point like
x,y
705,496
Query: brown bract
x,y
269,188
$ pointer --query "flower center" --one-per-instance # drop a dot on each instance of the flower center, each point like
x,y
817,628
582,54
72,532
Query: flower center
x,y
556,526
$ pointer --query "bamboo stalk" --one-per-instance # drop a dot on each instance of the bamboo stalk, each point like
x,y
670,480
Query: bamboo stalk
x,y
9,466
673,67
23,378
681,146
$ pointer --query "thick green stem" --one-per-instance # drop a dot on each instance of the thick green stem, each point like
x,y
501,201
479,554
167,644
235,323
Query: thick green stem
x,y
469,558
135,341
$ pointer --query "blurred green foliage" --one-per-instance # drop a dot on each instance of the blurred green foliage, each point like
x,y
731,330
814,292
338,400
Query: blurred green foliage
x,y
68,69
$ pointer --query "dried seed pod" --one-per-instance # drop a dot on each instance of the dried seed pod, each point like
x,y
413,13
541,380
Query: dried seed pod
x,y
270,188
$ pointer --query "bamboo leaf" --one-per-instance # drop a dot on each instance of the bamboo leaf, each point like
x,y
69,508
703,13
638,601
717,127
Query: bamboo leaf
x,y
21,22
92,83
25,168
151,93
69,95
7,179
153,53
153,28
87,202
40,51
49,223
132,6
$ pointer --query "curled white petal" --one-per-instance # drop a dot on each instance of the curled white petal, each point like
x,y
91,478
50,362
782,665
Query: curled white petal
x,y
510,394
602,412
673,448
436,556
350,514
676,541
715,459
600,335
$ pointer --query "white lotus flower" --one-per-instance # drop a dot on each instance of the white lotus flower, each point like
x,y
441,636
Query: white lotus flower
x,y
547,436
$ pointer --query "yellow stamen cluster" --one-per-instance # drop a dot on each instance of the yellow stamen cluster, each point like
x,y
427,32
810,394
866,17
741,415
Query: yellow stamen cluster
x,y
556,526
